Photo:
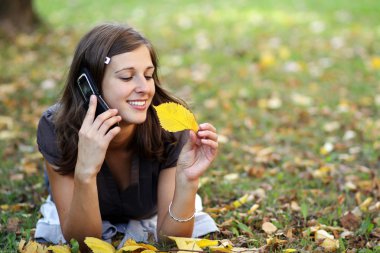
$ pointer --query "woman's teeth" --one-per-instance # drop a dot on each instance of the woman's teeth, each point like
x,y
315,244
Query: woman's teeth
x,y
137,103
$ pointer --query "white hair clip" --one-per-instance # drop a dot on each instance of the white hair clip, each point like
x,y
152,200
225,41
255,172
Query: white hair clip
x,y
107,60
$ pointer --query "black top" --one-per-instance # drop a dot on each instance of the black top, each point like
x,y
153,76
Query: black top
x,y
139,199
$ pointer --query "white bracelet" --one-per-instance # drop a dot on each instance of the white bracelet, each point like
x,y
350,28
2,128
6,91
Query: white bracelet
x,y
177,219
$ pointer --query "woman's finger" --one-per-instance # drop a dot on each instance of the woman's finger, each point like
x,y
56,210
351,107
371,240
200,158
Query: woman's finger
x,y
101,118
208,134
207,126
112,133
90,115
107,124
212,144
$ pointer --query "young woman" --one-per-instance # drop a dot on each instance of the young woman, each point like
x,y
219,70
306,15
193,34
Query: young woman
x,y
134,177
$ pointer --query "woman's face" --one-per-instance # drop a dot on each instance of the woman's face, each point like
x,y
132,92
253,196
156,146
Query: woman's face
x,y
128,84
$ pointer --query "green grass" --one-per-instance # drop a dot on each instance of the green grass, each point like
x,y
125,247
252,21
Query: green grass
x,y
213,55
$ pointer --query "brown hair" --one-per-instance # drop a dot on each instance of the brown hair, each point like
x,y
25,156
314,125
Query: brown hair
x,y
102,41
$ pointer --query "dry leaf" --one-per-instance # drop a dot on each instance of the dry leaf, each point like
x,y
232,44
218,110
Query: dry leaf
x,y
294,206
184,243
98,246
31,247
21,245
174,117
129,248
322,234
330,245
253,208
269,228
59,249
289,250
131,242
203,243
275,241
350,221
241,201
364,206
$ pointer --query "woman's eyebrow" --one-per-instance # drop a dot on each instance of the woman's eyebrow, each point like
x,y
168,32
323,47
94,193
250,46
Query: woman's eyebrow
x,y
132,68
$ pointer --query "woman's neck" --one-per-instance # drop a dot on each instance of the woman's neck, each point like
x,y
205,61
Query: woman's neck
x,y
123,138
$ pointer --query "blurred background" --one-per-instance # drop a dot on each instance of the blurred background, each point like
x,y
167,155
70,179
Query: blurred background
x,y
292,86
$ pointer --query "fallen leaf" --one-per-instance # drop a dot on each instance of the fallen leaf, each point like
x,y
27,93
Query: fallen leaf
x,y
241,201
129,248
322,234
174,117
364,206
98,246
59,249
207,243
269,228
294,206
375,62
131,242
275,241
13,224
253,208
289,250
350,221
184,243
330,245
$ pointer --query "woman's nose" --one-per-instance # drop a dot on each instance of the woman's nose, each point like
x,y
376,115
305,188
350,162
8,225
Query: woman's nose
x,y
142,84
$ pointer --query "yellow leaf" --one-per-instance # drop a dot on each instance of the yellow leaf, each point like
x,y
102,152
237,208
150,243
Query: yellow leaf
x,y
275,241
174,117
149,251
98,246
289,250
241,201
253,208
330,245
131,242
364,206
33,247
207,243
59,249
375,62
185,243
220,249
129,248
21,245
267,60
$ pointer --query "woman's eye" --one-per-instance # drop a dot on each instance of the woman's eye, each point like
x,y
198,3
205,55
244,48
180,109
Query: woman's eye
x,y
126,78
148,77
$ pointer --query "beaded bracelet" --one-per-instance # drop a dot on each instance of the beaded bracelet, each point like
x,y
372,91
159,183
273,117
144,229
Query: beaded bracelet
x,y
177,219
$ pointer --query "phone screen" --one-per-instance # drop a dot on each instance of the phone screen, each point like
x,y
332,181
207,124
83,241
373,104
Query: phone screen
x,y
84,85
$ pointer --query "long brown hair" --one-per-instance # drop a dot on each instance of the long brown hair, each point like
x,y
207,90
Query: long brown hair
x,y
104,41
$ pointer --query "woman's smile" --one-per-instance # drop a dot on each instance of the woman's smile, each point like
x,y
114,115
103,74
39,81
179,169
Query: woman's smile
x,y
137,104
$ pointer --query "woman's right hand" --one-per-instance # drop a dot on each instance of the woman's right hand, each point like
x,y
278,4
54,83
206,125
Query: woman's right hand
x,y
94,139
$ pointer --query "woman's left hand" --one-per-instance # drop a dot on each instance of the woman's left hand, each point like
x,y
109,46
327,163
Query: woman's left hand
x,y
198,153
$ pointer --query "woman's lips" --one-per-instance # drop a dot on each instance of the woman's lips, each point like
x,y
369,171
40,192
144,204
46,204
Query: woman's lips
x,y
137,104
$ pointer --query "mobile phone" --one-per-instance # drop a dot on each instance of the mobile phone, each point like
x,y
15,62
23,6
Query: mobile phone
x,y
87,88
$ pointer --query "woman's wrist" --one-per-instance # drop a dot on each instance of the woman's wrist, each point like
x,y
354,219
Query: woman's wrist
x,y
84,175
189,187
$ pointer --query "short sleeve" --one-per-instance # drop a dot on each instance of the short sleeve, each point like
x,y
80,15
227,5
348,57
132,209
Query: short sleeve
x,y
174,149
46,136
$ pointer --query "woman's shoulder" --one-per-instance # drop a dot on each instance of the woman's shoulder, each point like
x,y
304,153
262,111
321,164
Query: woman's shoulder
x,y
49,114
46,135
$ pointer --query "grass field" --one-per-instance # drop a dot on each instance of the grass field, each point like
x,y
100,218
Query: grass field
x,y
292,86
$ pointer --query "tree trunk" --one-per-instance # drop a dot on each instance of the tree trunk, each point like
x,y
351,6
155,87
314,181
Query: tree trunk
x,y
17,16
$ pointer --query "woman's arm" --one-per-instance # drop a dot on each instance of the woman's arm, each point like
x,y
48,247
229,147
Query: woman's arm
x,y
77,205
76,195
179,185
